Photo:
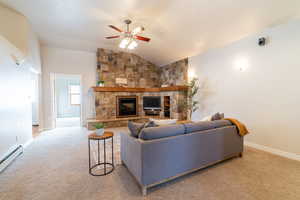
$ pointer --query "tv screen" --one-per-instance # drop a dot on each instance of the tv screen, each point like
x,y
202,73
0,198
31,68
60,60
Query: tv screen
x,y
151,102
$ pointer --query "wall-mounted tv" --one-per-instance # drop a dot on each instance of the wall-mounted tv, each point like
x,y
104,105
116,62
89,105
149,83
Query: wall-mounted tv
x,y
151,102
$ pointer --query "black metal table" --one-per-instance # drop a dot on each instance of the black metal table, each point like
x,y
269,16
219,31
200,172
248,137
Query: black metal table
x,y
104,137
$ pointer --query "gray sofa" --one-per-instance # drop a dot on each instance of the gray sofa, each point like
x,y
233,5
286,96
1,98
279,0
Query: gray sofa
x,y
167,152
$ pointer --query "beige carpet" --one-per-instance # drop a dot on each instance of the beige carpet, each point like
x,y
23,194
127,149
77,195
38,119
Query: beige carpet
x,y
55,166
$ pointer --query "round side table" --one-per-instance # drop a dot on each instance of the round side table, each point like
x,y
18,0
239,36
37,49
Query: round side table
x,y
104,137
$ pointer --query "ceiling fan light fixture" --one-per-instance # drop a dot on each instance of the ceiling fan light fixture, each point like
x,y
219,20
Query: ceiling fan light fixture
x,y
123,44
129,38
132,45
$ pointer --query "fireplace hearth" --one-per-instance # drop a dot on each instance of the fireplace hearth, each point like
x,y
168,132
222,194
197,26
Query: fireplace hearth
x,y
127,106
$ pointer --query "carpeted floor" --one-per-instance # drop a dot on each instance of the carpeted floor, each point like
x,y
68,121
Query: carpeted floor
x,y
55,166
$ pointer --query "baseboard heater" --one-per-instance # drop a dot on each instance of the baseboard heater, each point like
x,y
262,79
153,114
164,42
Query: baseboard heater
x,y
10,157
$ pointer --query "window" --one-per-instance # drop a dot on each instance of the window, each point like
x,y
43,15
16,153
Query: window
x,y
74,92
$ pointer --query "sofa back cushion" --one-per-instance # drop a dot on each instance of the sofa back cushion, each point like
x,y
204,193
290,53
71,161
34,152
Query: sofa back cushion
x,y
161,132
205,125
164,122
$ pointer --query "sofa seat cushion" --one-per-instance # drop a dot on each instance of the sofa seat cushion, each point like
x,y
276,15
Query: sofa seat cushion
x,y
161,132
205,125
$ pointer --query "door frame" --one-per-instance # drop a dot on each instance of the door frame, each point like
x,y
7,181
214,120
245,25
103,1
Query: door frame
x,y
53,77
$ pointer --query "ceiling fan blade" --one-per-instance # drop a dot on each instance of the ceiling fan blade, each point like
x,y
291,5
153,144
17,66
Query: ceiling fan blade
x,y
142,38
117,29
112,37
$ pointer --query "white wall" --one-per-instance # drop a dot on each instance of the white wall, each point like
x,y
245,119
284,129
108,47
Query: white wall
x,y
265,95
63,61
18,31
33,54
15,104
14,27
35,98
17,40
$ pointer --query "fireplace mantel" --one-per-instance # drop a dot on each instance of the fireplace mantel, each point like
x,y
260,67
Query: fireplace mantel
x,y
127,89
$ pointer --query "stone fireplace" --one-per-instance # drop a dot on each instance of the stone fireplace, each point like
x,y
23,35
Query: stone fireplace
x,y
108,107
127,79
127,106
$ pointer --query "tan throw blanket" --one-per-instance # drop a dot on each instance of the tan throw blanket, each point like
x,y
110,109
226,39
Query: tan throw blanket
x,y
242,130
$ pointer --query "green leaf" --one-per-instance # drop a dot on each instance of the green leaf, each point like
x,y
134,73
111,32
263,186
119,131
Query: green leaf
x,y
99,125
191,105
195,109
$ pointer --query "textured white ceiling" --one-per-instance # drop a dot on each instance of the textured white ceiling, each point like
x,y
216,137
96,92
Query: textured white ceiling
x,y
178,28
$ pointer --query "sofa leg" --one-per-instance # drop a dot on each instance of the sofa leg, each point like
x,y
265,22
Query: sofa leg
x,y
144,190
241,155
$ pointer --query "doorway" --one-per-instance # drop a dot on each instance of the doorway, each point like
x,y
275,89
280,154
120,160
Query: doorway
x,y
67,98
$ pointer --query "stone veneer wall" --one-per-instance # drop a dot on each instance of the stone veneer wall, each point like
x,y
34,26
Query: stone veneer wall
x,y
138,71
106,103
175,73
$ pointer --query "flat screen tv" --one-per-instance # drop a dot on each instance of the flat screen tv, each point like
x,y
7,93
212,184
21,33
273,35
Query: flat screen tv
x,y
151,102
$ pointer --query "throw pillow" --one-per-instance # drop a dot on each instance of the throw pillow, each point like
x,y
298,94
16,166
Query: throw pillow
x,y
217,116
222,115
135,128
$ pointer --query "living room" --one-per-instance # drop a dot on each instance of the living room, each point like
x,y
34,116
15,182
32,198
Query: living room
x,y
200,103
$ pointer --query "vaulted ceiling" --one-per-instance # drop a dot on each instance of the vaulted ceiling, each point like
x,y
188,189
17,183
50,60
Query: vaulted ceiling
x,y
178,28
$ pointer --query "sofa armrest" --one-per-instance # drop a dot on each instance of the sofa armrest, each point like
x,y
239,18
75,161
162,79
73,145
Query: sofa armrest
x,y
131,155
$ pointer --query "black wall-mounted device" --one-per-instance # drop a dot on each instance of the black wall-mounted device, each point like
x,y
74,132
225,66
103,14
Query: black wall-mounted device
x,y
262,41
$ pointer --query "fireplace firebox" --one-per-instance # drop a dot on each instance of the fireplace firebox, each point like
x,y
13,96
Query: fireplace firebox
x,y
127,106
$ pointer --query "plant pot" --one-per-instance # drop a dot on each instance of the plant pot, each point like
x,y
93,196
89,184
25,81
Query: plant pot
x,y
99,131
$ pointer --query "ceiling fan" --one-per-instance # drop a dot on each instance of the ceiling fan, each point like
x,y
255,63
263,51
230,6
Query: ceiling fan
x,y
130,38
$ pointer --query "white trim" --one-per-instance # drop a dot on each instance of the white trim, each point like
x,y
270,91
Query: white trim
x,y
278,152
53,100
11,149
11,158
27,143
69,76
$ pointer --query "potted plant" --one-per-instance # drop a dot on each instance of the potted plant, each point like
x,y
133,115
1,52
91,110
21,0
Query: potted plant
x,y
191,105
192,92
99,128
100,83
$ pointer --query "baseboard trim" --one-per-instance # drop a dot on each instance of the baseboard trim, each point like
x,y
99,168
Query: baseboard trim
x,y
278,152
10,157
